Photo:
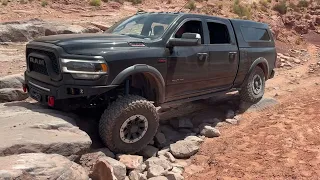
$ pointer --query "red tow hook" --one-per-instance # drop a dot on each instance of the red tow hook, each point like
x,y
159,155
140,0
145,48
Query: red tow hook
x,y
24,87
51,101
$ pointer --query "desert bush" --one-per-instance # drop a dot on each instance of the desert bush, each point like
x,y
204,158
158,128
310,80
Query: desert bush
x,y
4,2
241,10
281,7
95,2
191,5
293,6
135,1
264,3
303,3
44,3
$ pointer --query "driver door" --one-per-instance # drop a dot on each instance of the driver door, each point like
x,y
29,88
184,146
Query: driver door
x,y
187,65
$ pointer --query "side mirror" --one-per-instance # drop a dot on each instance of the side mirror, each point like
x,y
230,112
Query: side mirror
x,y
187,39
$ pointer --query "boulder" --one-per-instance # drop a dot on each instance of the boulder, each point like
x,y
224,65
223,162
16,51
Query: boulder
x,y
10,94
184,148
209,131
131,161
24,31
194,138
163,151
178,170
12,81
155,171
174,176
30,128
157,161
89,160
119,168
148,151
181,123
102,170
40,166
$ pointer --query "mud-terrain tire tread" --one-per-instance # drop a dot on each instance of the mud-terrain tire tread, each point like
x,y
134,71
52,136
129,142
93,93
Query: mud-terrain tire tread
x,y
246,92
124,105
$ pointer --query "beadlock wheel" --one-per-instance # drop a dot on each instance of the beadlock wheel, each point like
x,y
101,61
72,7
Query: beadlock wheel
x,y
133,129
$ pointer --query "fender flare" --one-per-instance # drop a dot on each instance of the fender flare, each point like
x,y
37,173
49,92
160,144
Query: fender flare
x,y
255,63
143,68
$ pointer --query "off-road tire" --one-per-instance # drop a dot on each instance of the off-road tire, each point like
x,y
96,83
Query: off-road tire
x,y
117,113
246,93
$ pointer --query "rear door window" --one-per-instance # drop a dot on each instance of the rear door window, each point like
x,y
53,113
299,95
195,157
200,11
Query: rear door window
x,y
255,34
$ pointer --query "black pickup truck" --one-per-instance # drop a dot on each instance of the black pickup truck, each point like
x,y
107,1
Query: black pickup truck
x,y
149,60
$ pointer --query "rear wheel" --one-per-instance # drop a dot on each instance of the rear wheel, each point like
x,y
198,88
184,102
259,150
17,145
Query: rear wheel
x,y
128,124
252,90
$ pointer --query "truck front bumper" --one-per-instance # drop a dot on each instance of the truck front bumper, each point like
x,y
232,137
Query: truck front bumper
x,y
42,91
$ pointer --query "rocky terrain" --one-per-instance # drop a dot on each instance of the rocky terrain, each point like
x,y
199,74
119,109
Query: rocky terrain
x,y
218,138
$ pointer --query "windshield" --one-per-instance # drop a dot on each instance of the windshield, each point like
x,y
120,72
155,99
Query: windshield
x,y
145,26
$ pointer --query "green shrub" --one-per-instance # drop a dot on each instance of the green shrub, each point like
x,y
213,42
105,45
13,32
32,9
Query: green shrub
x,y
119,1
281,7
44,3
293,6
23,1
191,5
303,3
4,2
269,1
95,2
264,3
135,1
241,11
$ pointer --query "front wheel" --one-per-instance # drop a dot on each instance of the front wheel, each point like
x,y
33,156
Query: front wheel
x,y
252,89
129,124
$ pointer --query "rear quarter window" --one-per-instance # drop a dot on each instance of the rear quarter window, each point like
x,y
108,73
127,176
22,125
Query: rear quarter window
x,y
255,34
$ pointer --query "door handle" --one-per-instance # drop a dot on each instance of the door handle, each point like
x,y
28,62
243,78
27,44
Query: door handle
x,y
232,56
203,56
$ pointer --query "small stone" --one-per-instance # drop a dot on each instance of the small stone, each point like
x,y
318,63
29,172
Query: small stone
x,y
126,178
194,138
164,150
230,114
210,132
158,178
237,117
184,148
131,161
178,170
160,139
170,157
141,168
174,176
155,171
157,161
232,121
102,170
148,151
134,175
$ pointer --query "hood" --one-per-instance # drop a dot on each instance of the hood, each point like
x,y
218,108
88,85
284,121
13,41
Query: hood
x,y
89,44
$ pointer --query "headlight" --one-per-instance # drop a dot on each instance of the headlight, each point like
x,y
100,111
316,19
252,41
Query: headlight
x,y
84,69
